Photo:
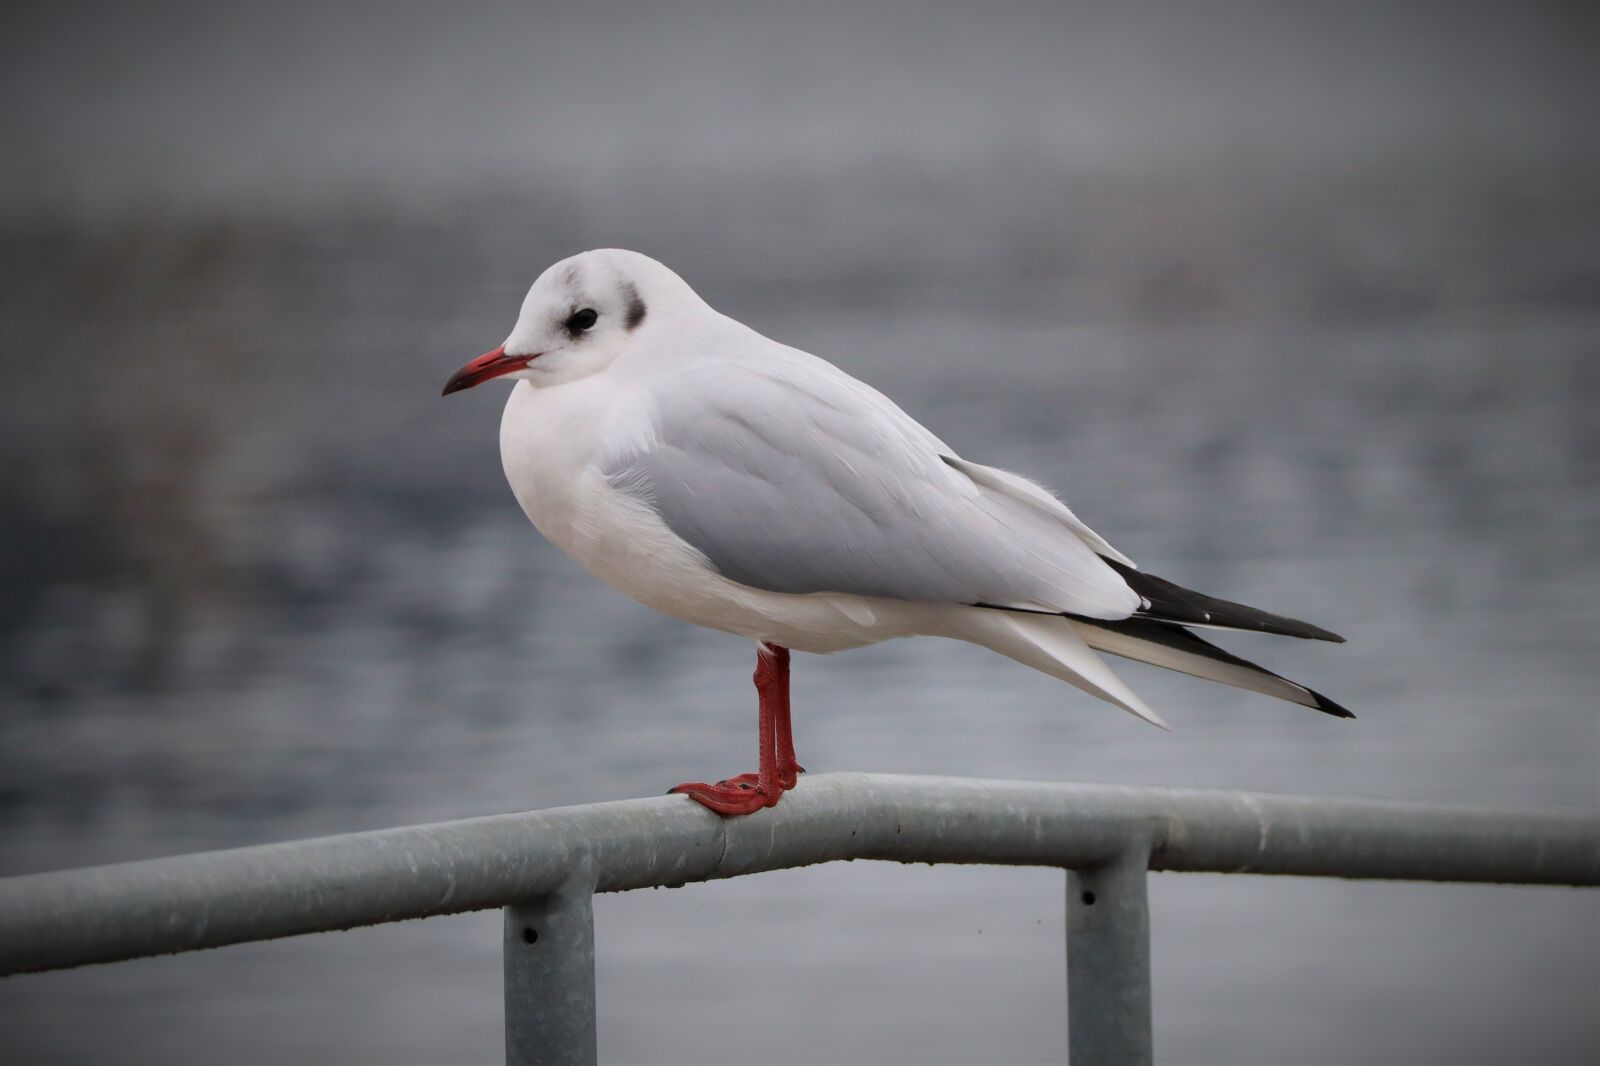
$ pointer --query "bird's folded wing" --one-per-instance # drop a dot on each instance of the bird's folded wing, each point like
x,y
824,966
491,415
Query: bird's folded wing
x,y
790,476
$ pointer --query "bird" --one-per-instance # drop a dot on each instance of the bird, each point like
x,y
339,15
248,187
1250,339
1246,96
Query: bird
x,y
736,483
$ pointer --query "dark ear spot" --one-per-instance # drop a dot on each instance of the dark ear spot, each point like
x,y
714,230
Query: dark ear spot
x,y
636,307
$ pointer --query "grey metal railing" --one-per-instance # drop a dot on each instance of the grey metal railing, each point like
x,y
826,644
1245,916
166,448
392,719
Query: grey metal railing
x,y
543,868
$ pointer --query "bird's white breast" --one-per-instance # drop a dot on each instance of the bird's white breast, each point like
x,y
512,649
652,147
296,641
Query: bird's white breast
x,y
547,441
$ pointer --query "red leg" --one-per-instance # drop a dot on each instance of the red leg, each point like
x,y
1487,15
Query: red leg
x,y
751,792
783,737
788,768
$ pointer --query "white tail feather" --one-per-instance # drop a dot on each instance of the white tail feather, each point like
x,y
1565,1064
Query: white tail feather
x,y
1051,645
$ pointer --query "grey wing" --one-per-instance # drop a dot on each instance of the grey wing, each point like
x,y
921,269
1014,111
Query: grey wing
x,y
793,477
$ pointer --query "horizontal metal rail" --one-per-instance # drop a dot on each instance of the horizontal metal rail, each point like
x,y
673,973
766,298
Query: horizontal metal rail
x,y
543,867
103,914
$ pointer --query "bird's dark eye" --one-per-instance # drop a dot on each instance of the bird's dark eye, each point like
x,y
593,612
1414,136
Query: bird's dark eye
x,y
582,320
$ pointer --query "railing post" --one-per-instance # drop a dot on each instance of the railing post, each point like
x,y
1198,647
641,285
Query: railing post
x,y
1108,962
549,976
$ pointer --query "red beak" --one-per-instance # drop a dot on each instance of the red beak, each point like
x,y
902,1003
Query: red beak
x,y
486,366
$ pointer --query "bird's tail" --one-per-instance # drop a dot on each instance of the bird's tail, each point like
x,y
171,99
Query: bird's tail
x,y
1066,648
1052,645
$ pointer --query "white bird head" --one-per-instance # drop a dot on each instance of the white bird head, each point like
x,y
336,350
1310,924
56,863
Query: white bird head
x,y
579,317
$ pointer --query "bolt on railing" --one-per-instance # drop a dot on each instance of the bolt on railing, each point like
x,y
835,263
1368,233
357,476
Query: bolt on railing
x,y
543,868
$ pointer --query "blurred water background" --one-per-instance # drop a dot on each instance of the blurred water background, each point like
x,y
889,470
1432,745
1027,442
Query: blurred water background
x,y
1297,304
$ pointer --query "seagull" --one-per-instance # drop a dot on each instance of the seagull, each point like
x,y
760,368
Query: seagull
x,y
734,482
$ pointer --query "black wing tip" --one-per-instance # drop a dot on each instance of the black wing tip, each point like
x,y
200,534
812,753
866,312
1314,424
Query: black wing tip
x,y
1168,602
1292,627
1318,633
1327,706
1281,626
1181,639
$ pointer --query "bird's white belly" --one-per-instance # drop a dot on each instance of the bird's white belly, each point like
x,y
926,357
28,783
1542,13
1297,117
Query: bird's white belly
x,y
547,456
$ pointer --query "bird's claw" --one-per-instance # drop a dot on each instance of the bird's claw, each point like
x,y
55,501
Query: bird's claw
x,y
733,796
